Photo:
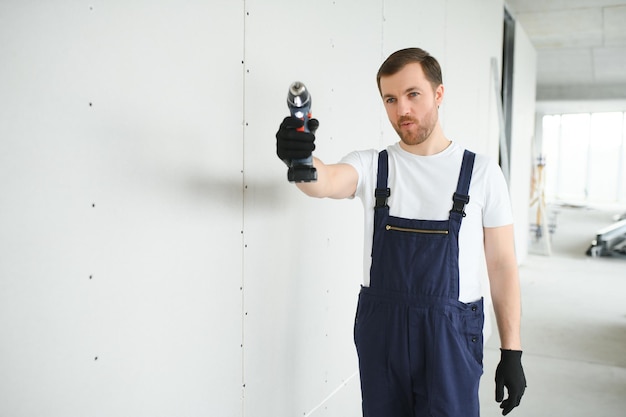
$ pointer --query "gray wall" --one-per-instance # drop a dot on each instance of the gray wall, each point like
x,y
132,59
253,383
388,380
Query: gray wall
x,y
154,259
522,137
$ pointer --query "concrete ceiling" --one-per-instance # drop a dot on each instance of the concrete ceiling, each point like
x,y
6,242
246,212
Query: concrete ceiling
x,y
581,47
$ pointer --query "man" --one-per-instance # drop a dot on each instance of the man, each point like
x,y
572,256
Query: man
x,y
431,208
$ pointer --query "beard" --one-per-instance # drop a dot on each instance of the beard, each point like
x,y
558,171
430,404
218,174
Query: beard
x,y
420,131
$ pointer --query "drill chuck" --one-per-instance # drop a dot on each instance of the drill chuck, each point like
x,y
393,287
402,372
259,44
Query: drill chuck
x,y
299,100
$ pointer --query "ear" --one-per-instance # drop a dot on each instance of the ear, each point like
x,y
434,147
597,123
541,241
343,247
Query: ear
x,y
439,94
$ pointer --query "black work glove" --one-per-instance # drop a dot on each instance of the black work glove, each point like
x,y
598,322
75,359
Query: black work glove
x,y
510,374
293,144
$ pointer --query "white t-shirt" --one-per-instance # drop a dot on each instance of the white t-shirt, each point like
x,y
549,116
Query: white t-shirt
x,y
422,188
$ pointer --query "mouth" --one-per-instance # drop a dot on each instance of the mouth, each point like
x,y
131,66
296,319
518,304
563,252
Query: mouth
x,y
406,124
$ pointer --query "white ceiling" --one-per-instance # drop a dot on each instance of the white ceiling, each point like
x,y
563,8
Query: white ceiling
x,y
581,46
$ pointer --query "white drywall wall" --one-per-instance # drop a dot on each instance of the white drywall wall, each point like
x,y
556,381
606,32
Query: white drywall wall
x,y
121,209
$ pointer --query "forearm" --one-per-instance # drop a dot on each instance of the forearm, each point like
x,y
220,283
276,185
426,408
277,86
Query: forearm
x,y
505,293
505,285
333,181
319,188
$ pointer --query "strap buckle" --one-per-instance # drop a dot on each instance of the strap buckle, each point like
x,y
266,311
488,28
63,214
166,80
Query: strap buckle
x,y
459,202
382,194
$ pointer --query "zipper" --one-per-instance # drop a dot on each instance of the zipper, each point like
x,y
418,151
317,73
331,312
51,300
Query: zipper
x,y
424,231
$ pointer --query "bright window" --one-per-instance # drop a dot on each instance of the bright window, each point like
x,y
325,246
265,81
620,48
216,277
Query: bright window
x,y
585,157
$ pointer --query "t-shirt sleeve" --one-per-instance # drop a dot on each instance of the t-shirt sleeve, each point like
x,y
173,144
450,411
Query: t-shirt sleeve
x,y
361,161
497,206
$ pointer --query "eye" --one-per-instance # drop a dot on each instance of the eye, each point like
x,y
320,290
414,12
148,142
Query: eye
x,y
413,94
390,100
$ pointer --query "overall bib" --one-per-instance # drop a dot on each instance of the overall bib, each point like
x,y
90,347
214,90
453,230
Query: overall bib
x,y
420,349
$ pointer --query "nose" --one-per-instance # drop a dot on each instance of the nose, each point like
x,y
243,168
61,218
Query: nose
x,y
403,108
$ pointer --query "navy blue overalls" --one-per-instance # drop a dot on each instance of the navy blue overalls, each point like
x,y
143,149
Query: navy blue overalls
x,y
420,349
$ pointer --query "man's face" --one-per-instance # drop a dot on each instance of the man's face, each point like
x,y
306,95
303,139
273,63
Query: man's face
x,y
411,103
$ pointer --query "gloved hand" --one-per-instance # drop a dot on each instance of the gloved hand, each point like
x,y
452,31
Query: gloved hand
x,y
510,374
292,144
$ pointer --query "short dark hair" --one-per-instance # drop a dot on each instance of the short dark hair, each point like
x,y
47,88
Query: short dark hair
x,y
396,61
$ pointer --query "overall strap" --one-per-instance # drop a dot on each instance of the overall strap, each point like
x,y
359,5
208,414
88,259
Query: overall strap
x,y
461,196
382,192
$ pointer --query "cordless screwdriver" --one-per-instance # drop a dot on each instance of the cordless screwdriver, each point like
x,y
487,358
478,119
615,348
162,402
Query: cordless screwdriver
x,y
299,103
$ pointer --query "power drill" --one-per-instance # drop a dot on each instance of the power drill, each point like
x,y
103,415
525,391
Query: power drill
x,y
299,103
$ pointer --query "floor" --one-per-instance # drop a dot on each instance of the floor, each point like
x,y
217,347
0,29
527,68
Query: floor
x,y
573,325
